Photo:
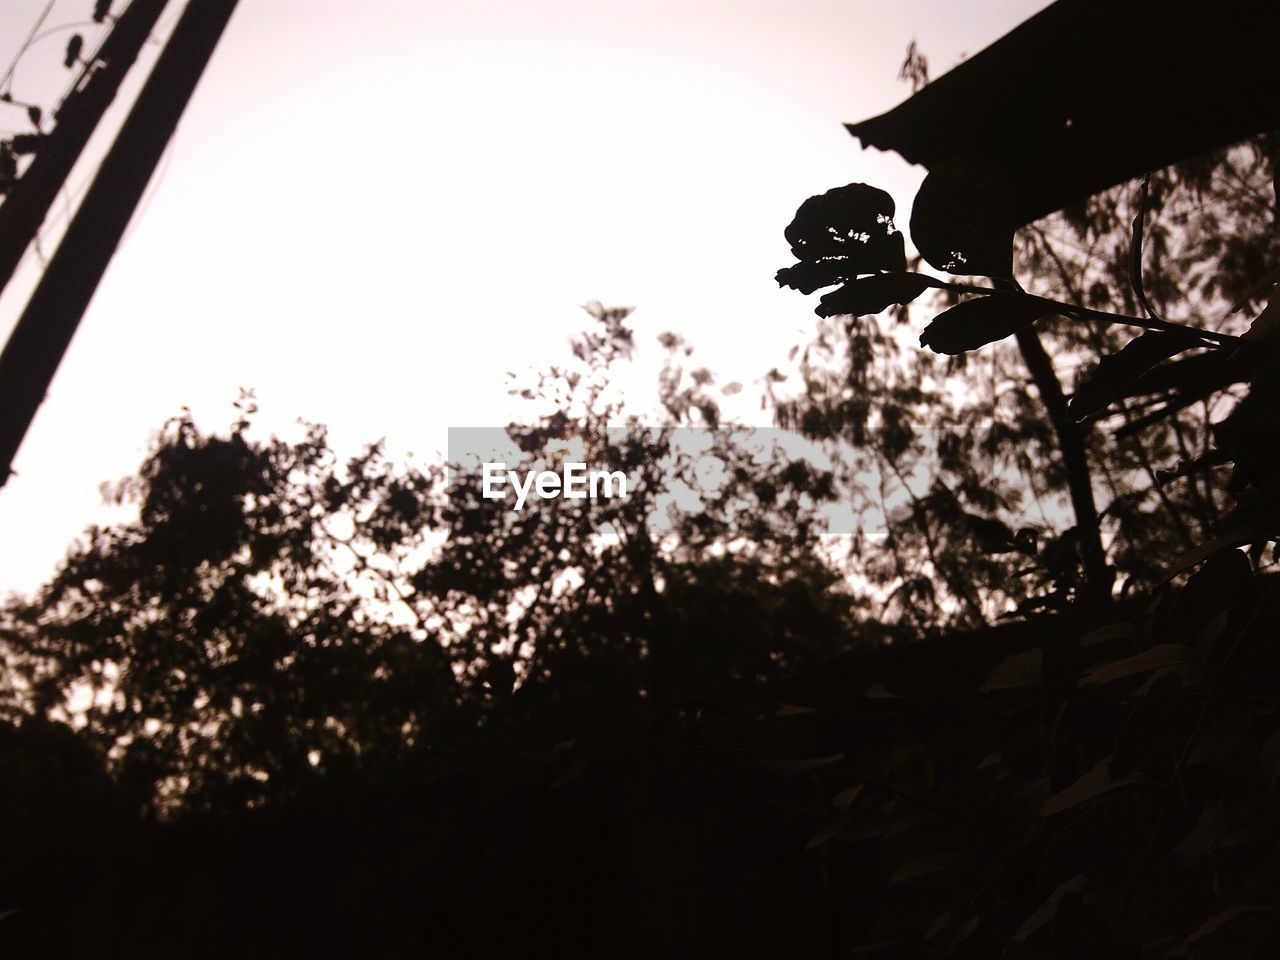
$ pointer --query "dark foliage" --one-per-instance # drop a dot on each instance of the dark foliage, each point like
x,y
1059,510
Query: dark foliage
x,y
1105,784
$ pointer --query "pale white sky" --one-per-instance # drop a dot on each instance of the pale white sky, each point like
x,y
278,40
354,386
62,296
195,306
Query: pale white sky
x,y
374,209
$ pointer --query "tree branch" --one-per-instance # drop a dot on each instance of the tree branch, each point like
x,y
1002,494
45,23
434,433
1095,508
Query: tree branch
x,y
1074,459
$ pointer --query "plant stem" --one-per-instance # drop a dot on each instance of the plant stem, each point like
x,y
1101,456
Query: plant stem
x,y
1086,313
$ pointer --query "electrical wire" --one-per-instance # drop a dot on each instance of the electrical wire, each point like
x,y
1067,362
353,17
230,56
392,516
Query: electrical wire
x,y
6,81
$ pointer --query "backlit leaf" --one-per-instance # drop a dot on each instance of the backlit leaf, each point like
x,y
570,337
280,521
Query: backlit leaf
x,y
975,323
961,220
842,234
873,294
1107,381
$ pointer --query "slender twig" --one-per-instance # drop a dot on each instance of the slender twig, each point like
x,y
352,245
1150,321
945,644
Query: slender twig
x,y
1063,274
363,564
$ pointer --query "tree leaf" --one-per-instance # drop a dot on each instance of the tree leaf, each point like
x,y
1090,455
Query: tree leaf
x,y
791,710
961,221
843,800
842,234
1269,279
823,224
1156,721
26,142
1047,910
1112,631
1214,923
1161,655
1095,783
1211,826
990,535
1237,537
810,275
1266,324
1107,381
1020,671
928,865
1223,581
74,46
827,832
873,294
975,323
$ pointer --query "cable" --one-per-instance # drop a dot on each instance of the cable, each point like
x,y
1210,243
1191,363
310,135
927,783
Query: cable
x,y
7,80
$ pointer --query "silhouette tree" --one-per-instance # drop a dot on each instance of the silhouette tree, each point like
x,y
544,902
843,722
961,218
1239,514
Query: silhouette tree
x,y
275,621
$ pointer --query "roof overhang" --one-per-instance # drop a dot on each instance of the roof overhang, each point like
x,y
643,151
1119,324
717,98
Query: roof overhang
x,y
1088,94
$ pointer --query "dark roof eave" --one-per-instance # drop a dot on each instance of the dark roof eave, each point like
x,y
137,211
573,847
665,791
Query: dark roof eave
x,y
1085,95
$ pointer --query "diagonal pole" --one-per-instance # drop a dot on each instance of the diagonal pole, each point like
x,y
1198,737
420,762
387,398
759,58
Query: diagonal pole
x,y
44,331
25,208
